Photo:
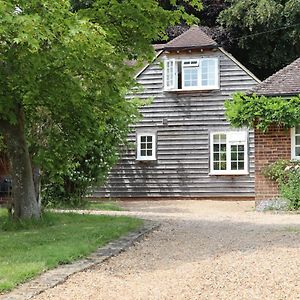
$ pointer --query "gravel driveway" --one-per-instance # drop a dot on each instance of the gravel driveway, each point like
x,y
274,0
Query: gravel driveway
x,y
203,250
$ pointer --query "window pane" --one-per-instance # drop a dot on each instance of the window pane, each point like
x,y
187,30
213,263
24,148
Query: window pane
x,y
223,156
149,152
298,129
149,138
298,140
216,147
143,152
216,156
233,156
143,139
241,148
297,151
241,165
223,138
223,147
223,165
143,146
241,156
234,166
216,166
190,77
216,138
208,70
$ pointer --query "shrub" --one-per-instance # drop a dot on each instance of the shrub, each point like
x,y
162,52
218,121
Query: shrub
x,y
291,190
287,174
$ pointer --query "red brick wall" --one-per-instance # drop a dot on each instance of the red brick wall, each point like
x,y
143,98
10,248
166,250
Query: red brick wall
x,y
269,147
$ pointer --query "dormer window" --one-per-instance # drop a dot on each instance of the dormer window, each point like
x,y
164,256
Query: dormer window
x,y
191,74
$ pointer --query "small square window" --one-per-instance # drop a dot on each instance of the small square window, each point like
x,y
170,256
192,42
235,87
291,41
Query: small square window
x,y
146,146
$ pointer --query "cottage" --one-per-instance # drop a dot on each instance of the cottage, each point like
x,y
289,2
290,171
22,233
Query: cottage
x,y
277,143
183,146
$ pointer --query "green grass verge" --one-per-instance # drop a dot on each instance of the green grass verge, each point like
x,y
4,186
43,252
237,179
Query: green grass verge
x,y
95,205
27,249
103,205
293,229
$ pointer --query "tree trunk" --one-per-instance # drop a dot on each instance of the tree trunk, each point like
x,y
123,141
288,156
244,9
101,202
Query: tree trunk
x,y
24,196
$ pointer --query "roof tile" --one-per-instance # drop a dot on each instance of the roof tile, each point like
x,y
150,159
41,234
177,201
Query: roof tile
x,y
285,82
192,38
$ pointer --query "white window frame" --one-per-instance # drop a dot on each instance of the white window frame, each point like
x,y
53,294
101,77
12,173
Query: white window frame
x,y
217,77
190,63
230,141
138,143
293,144
172,74
186,63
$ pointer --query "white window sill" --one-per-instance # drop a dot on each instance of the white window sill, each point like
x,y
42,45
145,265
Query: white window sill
x,y
192,90
228,173
295,158
145,159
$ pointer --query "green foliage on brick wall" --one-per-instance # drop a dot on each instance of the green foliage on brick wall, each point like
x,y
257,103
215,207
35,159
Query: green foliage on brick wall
x,y
261,112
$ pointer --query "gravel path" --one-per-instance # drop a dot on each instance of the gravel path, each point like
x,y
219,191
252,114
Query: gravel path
x,y
203,250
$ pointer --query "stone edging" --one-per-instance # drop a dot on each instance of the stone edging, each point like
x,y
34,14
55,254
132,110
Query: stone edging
x,y
56,276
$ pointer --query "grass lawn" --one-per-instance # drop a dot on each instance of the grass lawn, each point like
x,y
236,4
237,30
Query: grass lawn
x,y
29,249
103,205
96,205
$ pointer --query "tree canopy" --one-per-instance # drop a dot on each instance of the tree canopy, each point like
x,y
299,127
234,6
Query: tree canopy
x,y
264,35
267,31
63,82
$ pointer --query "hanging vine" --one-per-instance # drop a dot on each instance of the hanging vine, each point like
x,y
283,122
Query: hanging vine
x,y
261,112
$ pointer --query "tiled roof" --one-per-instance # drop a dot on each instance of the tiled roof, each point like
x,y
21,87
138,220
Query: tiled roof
x,y
285,82
191,39
158,47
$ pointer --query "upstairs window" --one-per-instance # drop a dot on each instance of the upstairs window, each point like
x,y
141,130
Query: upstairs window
x,y
192,74
146,146
170,74
296,142
229,153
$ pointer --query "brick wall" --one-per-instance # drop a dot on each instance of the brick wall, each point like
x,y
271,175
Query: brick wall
x,y
269,147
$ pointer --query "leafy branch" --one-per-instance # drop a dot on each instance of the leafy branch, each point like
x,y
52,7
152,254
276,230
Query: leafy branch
x,y
261,112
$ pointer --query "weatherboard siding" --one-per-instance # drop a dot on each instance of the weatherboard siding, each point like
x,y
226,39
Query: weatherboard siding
x,y
182,165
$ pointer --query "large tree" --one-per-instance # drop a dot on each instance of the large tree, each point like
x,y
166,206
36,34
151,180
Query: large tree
x,y
264,34
63,79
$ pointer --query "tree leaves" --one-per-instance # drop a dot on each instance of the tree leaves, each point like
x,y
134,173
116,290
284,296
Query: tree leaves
x,y
66,69
261,112
265,33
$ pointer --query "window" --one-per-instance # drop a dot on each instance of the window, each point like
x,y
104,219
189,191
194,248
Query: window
x,y
146,146
192,74
209,73
190,71
296,142
228,153
170,74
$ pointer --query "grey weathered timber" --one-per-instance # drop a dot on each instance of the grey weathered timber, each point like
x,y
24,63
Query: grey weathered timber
x,y
182,165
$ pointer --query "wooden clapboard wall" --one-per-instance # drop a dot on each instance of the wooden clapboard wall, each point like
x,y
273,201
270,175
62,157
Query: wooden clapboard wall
x,y
182,122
